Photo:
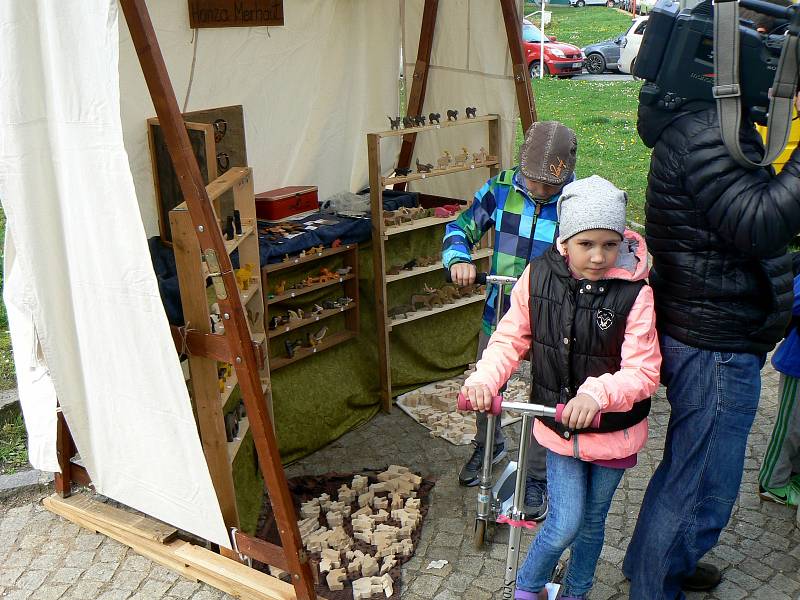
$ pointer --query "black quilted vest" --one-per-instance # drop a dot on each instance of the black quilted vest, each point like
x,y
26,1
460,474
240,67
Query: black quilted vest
x,y
578,328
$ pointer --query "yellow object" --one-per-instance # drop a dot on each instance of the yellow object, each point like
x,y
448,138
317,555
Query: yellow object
x,y
794,137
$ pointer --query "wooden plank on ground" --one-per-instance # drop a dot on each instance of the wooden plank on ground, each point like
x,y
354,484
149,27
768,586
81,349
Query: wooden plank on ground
x,y
137,524
191,561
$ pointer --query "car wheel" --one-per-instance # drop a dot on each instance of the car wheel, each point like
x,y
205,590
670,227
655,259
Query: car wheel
x,y
534,69
595,63
580,3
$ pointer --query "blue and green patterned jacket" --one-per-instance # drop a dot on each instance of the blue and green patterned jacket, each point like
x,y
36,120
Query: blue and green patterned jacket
x,y
523,230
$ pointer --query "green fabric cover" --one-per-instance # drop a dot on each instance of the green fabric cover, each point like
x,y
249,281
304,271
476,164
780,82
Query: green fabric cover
x,y
318,399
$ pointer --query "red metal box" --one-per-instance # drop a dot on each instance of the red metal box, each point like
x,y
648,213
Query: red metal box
x,y
285,202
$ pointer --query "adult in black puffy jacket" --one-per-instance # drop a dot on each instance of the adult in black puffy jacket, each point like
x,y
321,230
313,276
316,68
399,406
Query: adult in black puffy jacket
x,y
722,279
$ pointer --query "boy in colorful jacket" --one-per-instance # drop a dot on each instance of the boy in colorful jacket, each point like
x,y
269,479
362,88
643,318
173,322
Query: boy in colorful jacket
x,y
520,205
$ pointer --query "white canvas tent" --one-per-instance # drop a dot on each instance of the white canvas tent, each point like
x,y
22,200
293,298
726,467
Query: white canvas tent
x,y
87,323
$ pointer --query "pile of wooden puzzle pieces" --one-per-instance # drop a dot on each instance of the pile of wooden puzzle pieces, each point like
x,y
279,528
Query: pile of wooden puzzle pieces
x,y
434,406
382,517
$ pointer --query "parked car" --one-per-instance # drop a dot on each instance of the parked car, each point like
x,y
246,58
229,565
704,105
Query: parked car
x,y
603,56
580,3
560,59
631,44
642,6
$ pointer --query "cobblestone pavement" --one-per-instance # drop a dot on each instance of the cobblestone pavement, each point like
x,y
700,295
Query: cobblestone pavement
x,y
43,556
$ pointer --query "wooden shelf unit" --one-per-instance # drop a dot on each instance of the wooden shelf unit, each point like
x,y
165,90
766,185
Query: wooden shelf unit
x,y
421,314
347,284
193,272
381,233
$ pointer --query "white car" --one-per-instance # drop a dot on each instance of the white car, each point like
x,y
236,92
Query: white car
x,y
629,48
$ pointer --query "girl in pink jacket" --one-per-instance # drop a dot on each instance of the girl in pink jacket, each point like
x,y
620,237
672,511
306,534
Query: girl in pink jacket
x,y
585,314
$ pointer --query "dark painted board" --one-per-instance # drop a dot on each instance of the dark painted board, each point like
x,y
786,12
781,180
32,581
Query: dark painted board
x,y
235,13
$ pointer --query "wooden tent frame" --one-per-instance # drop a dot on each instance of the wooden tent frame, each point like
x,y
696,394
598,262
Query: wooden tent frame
x,y
234,346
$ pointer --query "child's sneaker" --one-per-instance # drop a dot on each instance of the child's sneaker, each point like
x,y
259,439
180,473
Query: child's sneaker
x,y
788,494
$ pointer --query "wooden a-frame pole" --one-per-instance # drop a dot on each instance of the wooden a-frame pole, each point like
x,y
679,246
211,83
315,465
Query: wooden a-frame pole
x,y
236,330
416,98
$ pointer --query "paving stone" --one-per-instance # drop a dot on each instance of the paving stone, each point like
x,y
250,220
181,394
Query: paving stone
x,y
184,589
128,580
425,586
48,562
85,589
53,591
31,580
100,572
79,558
68,575
9,575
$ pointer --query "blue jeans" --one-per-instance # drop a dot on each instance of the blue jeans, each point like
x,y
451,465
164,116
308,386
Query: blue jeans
x,y
580,494
713,398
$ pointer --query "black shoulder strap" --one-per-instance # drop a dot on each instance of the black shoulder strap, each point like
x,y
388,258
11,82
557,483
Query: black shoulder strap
x,y
728,92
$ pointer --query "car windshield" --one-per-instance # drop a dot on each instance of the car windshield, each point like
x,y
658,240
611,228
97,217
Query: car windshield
x,y
531,33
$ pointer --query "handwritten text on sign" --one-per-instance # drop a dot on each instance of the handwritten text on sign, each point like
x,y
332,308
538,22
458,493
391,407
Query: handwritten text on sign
x,y
235,13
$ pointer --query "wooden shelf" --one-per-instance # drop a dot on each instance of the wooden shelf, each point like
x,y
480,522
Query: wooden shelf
x,y
308,289
478,255
248,228
421,314
233,447
250,293
418,224
299,260
301,353
442,125
438,172
328,312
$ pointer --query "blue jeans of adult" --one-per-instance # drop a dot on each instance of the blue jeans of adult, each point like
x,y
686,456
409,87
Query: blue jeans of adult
x,y
713,398
580,495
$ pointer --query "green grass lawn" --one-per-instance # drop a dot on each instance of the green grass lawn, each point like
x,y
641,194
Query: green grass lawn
x,y
603,115
13,449
583,26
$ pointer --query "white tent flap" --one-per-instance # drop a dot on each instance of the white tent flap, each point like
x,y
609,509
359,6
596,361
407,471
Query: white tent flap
x,y
80,275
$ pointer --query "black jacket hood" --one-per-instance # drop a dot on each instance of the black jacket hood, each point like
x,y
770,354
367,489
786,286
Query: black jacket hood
x,y
653,121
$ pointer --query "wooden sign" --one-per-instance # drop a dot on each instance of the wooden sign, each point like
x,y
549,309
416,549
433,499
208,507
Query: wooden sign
x,y
235,13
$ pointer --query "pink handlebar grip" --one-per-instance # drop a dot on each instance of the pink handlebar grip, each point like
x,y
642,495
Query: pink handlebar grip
x,y
560,409
465,404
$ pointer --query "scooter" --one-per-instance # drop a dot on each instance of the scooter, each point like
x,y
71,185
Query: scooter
x,y
494,500
514,517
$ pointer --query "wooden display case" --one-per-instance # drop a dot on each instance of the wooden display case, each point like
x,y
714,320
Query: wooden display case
x,y
210,395
382,234
346,284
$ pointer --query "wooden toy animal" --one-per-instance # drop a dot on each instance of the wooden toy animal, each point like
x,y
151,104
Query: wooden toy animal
x,y
452,115
401,310
434,117
408,122
444,160
470,111
424,167
461,159
401,172
394,123
480,157
419,121
451,290
428,301
443,298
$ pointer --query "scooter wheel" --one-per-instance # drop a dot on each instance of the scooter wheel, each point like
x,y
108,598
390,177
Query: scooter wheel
x,y
480,534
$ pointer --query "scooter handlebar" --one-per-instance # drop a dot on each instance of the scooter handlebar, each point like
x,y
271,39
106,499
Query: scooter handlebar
x,y
480,278
497,407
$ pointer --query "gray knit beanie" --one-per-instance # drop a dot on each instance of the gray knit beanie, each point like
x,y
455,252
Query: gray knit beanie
x,y
590,203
